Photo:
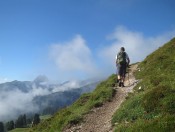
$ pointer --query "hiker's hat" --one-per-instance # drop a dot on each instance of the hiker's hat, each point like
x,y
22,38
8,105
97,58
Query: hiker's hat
x,y
122,49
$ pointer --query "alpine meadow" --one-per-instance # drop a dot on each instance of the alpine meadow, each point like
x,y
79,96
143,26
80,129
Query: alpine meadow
x,y
150,107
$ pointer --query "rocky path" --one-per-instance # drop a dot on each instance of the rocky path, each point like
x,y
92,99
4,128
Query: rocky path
x,y
99,119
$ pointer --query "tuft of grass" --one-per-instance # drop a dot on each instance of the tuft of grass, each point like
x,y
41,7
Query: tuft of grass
x,y
129,111
155,99
44,117
74,114
164,123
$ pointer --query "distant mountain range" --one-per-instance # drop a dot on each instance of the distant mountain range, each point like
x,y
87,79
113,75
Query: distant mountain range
x,y
51,103
46,97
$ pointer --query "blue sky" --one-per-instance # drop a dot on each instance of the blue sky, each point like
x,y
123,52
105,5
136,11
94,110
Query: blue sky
x,y
78,39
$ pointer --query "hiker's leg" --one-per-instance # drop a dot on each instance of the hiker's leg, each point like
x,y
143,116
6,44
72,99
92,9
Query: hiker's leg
x,y
123,79
119,72
119,80
123,74
119,75
124,71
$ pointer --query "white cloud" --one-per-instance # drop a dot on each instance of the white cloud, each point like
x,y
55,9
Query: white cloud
x,y
15,101
39,91
73,55
68,85
11,102
3,80
136,44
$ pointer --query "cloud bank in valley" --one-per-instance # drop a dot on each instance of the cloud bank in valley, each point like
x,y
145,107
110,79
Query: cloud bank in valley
x,y
15,101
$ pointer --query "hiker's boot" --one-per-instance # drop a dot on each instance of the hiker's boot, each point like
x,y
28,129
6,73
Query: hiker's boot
x,y
122,84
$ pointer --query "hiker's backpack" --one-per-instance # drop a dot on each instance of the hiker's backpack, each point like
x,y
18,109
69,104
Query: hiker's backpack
x,y
121,58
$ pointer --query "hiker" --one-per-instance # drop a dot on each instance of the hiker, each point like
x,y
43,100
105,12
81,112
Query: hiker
x,y
122,62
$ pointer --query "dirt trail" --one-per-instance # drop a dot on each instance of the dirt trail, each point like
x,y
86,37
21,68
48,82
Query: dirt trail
x,y
99,119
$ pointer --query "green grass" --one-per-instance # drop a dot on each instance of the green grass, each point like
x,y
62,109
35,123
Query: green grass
x,y
20,130
74,113
152,106
44,117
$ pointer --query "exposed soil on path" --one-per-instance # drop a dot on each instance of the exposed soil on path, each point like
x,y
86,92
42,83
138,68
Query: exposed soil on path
x,y
99,119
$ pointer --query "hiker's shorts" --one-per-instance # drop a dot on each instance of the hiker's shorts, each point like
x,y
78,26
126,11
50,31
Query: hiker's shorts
x,y
121,69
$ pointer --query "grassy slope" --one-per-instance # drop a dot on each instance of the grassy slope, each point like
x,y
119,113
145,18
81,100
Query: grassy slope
x,y
45,117
20,130
74,113
152,106
27,129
